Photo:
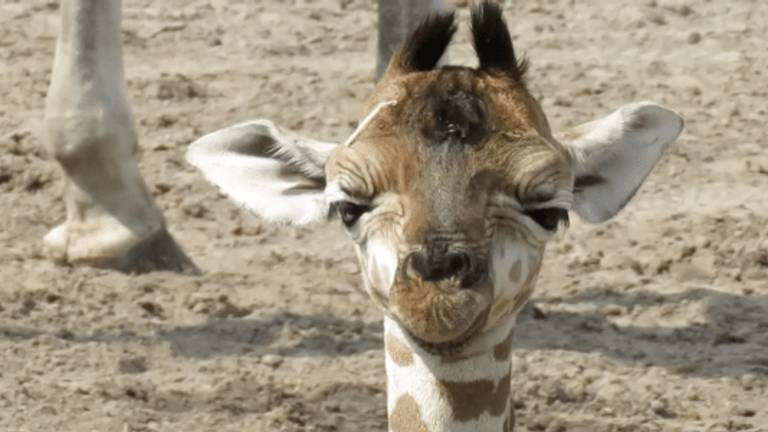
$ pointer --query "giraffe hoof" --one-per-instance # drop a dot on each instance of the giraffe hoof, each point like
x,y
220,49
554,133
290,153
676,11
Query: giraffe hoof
x,y
55,244
114,250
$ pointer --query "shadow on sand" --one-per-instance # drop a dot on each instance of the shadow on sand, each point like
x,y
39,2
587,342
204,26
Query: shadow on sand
x,y
729,336
730,340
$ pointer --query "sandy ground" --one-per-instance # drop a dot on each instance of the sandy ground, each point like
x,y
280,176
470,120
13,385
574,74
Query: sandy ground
x,y
657,321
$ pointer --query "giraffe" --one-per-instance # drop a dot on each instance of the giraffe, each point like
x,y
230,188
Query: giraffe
x,y
449,189
111,219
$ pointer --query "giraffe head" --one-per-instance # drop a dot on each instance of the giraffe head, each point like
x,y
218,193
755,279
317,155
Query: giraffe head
x,y
451,191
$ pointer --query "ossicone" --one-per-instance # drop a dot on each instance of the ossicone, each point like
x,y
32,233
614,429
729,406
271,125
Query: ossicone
x,y
493,43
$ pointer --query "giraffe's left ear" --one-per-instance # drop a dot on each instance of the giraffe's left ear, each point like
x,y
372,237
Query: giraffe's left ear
x,y
612,156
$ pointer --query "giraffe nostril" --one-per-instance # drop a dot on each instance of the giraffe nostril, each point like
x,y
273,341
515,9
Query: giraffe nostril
x,y
418,262
436,267
457,263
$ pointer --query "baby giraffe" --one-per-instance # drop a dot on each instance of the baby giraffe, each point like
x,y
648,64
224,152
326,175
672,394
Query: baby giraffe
x,y
450,189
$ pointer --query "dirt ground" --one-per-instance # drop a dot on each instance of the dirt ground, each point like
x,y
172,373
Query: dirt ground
x,y
656,321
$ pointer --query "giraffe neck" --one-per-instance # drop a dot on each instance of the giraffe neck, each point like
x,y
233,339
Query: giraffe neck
x,y
428,393
89,45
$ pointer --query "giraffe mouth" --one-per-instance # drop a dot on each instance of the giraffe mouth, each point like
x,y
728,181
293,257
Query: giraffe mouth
x,y
454,347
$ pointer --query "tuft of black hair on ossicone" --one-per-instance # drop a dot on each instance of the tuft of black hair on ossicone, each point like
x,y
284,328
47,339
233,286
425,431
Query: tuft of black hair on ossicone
x,y
493,43
427,43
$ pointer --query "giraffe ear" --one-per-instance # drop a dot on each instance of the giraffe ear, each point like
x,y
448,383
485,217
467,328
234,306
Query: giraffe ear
x,y
614,155
275,174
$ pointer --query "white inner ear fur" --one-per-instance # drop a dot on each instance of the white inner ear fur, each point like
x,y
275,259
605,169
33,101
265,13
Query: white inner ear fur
x,y
613,156
277,175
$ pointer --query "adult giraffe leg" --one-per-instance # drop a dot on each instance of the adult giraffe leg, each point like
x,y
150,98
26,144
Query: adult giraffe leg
x,y
397,18
112,220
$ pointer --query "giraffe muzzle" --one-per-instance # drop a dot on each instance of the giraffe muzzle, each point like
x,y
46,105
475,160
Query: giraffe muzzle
x,y
459,265
440,299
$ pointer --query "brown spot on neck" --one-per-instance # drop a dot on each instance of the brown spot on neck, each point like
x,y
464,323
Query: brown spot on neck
x,y
398,352
406,417
502,350
469,400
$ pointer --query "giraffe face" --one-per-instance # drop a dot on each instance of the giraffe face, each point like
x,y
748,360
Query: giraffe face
x,y
451,194
450,198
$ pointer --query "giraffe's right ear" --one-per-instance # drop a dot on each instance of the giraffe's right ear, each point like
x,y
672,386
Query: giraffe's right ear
x,y
277,175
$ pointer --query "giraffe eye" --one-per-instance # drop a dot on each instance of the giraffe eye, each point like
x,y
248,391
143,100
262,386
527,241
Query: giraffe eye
x,y
549,218
350,212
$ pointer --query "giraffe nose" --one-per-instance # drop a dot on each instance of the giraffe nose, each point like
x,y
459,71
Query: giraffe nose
x,y
433,266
